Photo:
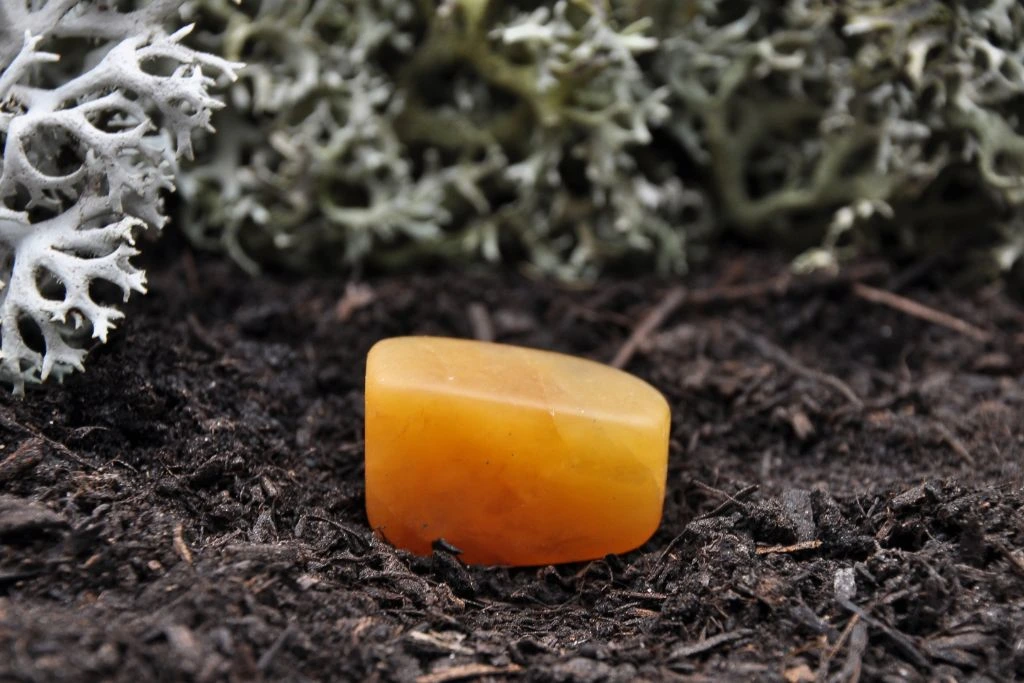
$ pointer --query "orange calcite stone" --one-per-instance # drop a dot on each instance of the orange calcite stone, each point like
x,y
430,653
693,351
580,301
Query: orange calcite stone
x,y
513,455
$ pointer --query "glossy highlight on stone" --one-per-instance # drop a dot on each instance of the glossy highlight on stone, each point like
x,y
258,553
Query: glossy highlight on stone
x,y
516,456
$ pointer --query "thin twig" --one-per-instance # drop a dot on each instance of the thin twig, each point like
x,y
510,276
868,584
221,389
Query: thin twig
x,y
919,310
854,664
951,440
651,322
465,671
784,549
904,642
1015,562
356,296
826,661
180,546
773,352
730,500
267,657
202,335
669,548
480,322
782,284
842,638
691,649
11,423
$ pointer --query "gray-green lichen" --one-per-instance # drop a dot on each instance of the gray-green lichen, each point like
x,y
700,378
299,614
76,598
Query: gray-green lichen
x,y
575,133
862,108
398,130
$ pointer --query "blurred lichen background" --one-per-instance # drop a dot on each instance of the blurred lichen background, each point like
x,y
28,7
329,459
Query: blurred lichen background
x,y
577,135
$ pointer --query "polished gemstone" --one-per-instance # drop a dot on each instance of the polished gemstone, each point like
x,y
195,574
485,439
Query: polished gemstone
x,y
515,456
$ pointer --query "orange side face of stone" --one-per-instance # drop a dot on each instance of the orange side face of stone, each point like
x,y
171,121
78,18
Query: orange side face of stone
x,y
513,455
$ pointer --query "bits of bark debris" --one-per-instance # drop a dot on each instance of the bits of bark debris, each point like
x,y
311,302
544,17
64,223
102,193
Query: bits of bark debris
x,y
21,517
770,523
583,670
180,546
269,487
186,648
465,672
447,567
290,553
971,541
356,296
439,642
307,581
840,537
480,322
706,644
801,424
995,363
23,460
913,497
508,321
800,511
264,529
963,649
799,674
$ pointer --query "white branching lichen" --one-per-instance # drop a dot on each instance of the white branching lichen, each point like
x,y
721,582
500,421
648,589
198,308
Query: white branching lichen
x,y
86,158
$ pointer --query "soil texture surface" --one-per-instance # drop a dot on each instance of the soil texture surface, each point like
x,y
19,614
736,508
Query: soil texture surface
x,y
845,494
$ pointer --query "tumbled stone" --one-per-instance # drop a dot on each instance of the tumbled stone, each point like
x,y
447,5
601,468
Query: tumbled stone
x,y
515,456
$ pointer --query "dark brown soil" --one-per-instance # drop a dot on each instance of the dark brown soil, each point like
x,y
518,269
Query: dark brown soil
x,y
846,491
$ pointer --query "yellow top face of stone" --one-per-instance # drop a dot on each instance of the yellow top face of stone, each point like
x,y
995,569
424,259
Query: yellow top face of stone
x,y
516,456
515,375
